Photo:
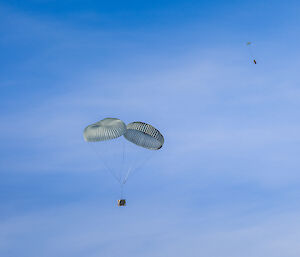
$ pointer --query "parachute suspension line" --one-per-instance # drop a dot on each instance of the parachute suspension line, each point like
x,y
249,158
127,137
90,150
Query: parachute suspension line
x,y
123,162
105,164
122,170
122,190
250,51
117,157
249,45
130,168
134,163
127,174
137,167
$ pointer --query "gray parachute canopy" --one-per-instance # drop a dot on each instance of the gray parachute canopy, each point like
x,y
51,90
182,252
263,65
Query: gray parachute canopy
x,y
106,129
144,135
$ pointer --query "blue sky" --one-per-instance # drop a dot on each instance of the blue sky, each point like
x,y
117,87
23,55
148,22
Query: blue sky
x,y
225,184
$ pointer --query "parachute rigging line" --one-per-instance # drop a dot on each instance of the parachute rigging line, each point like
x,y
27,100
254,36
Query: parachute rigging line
x,y
249,45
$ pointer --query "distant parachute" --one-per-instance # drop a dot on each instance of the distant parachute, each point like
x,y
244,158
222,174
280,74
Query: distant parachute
x,y
123,157
249,45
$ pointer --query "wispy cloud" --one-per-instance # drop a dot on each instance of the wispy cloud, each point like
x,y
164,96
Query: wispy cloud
x,y
93,231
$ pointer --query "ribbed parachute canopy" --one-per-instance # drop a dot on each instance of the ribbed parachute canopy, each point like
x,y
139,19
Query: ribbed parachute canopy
x,y
106,129
144,135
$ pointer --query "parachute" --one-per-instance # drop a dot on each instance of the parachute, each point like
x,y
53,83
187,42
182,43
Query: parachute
x,y
123,149
249,45
144,135
105,129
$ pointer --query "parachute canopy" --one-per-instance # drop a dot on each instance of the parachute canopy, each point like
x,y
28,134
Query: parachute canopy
x,y
144,135
106,129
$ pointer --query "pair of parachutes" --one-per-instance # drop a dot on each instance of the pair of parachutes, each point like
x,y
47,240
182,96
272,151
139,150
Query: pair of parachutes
x,y
107,134
139,133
